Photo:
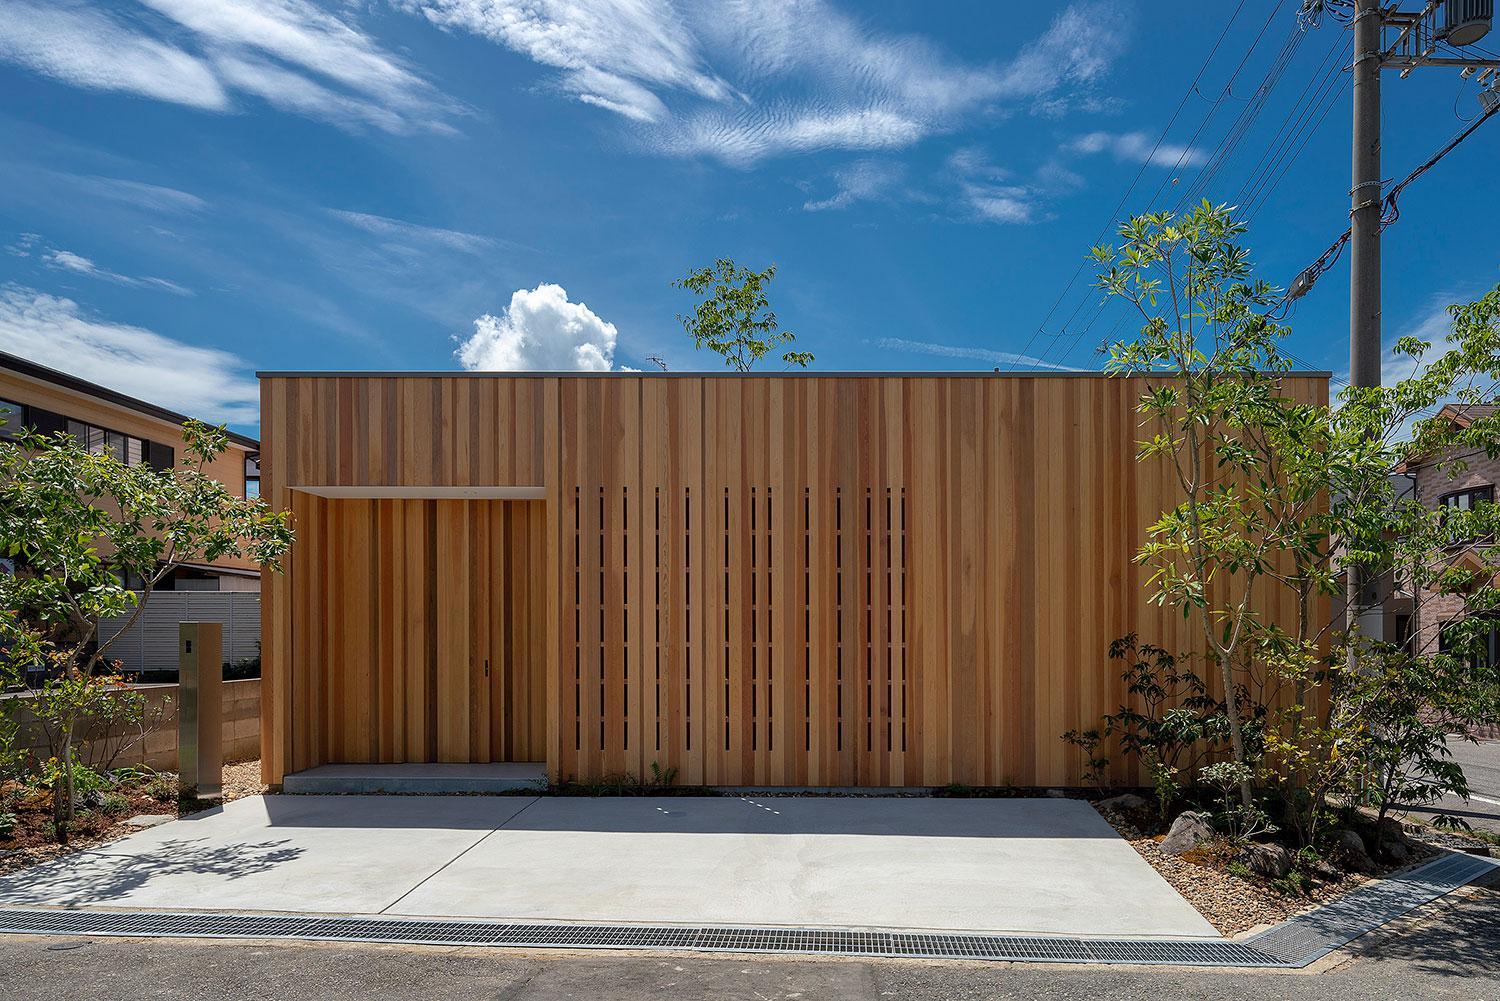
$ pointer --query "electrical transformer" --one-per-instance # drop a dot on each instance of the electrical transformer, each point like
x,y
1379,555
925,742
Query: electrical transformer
x,y
1466,21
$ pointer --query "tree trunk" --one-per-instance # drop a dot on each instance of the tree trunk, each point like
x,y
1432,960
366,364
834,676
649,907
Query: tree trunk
x,y
62,799
1236,736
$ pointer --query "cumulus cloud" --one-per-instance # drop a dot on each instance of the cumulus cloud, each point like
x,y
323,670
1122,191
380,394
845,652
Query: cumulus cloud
x,y
1137,147
862,180
55,332
66,260
540,331
291,54
742,80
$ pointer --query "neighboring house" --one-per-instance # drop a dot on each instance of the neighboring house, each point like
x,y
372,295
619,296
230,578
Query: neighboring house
x,y
1420,617
50,401
805,579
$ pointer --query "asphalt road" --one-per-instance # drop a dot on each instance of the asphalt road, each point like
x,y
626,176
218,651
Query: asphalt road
x,y
1481,765
1451,949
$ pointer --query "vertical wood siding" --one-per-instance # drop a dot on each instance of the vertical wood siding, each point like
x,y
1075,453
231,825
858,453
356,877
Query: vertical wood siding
x,y
821,581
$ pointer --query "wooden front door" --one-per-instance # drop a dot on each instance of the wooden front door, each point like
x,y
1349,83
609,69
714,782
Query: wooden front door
x,y
489,631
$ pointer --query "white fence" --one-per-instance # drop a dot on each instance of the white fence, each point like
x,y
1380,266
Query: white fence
x,y
151,644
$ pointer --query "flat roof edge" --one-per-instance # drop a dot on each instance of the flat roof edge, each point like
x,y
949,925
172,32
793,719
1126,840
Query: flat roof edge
x,y
1003,374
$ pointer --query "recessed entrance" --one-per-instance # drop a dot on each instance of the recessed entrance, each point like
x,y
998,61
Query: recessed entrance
x,y
427,618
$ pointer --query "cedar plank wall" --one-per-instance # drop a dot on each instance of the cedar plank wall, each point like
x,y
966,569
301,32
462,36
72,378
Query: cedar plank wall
x,y
810,580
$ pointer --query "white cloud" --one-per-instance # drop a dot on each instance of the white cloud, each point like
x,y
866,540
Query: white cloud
x,y
152,197
612,53
1137,147
204,382
987,192
1073,54
741,80
862,180
963,351
289,53
66,260
88,49
395,229
540,331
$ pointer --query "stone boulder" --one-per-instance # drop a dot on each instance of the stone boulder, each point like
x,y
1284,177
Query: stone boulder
x,y
1350,852
1270,861
1128,801
1188,831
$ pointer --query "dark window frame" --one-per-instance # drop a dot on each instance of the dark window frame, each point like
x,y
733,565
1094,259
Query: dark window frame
x,y
1484,492
9,430
104,434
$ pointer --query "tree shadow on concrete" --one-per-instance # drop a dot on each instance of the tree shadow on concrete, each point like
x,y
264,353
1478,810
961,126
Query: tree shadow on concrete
x,y
1459,937
97,878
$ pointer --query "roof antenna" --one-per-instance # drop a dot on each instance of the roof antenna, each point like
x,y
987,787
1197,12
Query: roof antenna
x,y
658,361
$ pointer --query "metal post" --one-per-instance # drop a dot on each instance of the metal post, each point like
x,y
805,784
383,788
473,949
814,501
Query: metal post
x,y
1365,609
200,708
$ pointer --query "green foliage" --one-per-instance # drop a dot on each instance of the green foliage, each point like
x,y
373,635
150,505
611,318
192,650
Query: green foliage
x,y
734,318
1238,822
8,823
80,525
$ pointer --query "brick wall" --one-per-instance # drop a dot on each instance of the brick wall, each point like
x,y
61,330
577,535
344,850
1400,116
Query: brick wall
x,y
1432,483
159,748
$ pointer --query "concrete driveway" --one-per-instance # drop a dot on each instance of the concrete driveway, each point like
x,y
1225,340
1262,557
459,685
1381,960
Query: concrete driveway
x,y
1042,866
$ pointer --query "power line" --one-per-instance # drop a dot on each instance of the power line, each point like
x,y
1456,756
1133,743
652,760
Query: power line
x,y
1113,216
1236,132
1390,210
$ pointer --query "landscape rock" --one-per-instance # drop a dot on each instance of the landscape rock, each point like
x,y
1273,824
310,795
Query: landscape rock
x,y
1270,861
1396,851
1057,794
1188,831
146,820
1127,801
1350,852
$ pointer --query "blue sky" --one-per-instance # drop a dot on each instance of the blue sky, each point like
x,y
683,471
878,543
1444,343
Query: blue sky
x,y
195,189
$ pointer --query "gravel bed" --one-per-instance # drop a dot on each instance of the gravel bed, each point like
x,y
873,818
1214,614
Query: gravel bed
x,y
1234,904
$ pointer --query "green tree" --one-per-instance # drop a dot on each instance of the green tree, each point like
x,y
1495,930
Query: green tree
x,y
80,527
1280,493
734,318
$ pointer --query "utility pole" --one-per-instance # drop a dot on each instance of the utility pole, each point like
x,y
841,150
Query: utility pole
x,y
1365,599
1365,198
1418,35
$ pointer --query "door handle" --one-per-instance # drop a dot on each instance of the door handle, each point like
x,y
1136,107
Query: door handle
x,y
486,667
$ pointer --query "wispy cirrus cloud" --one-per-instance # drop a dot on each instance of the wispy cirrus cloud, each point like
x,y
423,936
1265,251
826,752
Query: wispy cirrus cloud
x,y
208,54
740,80
402,233
965,352
66,260
863,180
205,382
1137,147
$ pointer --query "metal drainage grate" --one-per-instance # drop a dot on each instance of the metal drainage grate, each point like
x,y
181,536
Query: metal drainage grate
x,y
482,933
1311,936
1293,944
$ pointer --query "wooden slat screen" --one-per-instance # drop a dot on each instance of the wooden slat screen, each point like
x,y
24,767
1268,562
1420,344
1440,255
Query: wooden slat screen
x,y
765,581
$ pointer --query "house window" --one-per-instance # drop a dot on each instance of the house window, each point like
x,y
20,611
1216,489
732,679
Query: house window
x,y
1484,652
12,417
252,476
98,440
1465,500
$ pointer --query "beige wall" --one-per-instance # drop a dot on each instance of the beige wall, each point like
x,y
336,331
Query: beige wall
x,y
159,748
228,468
